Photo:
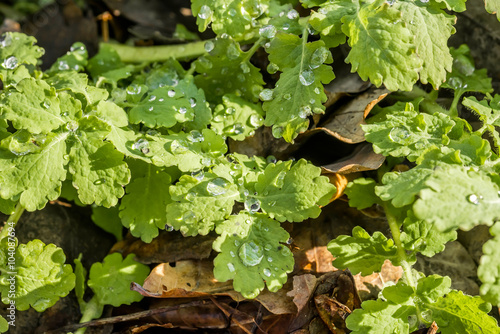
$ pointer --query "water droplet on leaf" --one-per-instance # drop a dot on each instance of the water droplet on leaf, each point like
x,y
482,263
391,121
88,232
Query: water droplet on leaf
x,y
209,46
268,31
256,120
319,56
266,94
178,147
400,135
230,267
292,14
267,272
171,93
10,63
99,181
474,199
252,205
217,186
205,12
251,254
306,77
277,131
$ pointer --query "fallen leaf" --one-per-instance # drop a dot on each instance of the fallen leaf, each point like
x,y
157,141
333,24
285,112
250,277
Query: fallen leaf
x,y
362,159
344,124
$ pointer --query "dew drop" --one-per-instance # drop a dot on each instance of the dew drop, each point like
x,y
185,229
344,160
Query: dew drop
x,y
199,174
141,145
182,110
267,272
251,253
245,68
151,108
189,217
10,63
233,51
256,120
268,31
456,83
217,186
270,259
427,315
205,12
277,131
292,14
171,93
100,181
304,111
152,98
412,320
317,90
266,94
195,136
190,196
78,47
46,104
289,241
400,135
319,56
280,179
474,199
209,46
169,228
230,267
233,254
232,12
192,102
133,89
237,129
271,159
252,205
178,147
285,26
272,68
72,126
287,96
306,77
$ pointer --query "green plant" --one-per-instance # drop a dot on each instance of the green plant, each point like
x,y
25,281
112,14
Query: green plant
x,y
145,143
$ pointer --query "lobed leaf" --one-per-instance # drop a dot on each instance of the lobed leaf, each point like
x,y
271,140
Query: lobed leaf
x,y
40,274
252,252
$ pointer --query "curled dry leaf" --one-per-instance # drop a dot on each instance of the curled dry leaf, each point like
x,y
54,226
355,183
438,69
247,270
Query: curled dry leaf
x,y
362,159
344,124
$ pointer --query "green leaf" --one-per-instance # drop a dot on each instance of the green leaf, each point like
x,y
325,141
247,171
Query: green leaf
x,y
458,313
432,28
227,70
80,275
163,107
293,192
328,21
34,178
299,91
489,268
433,287
17,50
382,47
379,317
108,220
107,66
41,277
489,114
252,252
408,133
33,106
98,170
493,7
4,325
456,197
362,253
402,188
110,280
200,202
236,118
230,17
75,59
361,193
142,209
454,5
423,237
188,151
464,76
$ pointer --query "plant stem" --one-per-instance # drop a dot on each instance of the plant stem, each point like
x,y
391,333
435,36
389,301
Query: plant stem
x,y
12,221
403,259
454,103
253,49
133,54
93,310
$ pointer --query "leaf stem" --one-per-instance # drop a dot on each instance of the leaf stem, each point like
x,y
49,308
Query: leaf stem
x,y
253,49
93,310
132,54
12,221
456,98
403,259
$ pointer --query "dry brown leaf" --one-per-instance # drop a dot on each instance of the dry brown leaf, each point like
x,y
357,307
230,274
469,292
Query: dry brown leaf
x,y
167,247
369,286
362,159
303,288
187,279
344,124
